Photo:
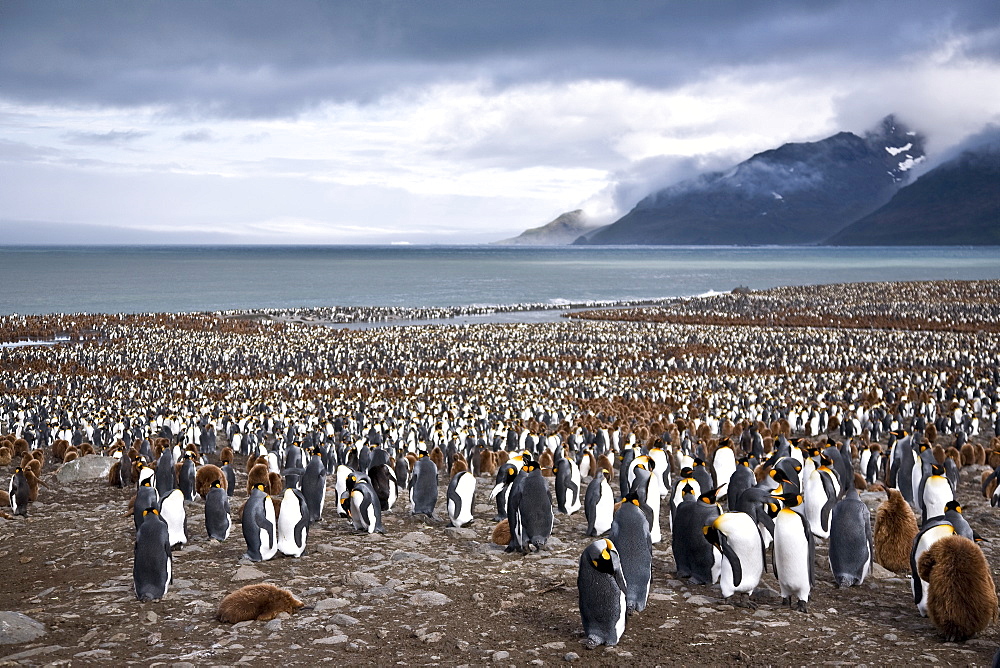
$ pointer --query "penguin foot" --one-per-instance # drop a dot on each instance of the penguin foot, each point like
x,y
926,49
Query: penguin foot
x,y
591,642
800,605
742,601
786,601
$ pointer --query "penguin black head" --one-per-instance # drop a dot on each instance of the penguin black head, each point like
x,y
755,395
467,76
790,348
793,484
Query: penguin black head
x,y
260,486
709,496
711,534
745,461
604,561
633,498
225,462
147,483
937,469
825,460
217,483
698,461
351,481
953,505
150,511
789,499
18,470
687,472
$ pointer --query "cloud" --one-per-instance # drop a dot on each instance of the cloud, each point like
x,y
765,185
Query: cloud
x,y
111,137
449,119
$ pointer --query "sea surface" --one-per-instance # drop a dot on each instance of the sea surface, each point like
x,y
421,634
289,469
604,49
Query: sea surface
x,y
135,279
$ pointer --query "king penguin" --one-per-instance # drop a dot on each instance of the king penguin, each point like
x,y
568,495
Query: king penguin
x,y
461,498
851,549
630,532
151,567
314,486
793,553
567,485
424,486
695,557
930,533
293,523
18,491
259,530
227,470
741,480
145,497
646,486
365,509
820,492
172,511
506,475
602,588
599,506
934,493
217,519
737,539
529,509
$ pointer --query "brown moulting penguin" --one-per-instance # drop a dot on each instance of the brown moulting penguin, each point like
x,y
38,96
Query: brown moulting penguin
x,y
961,597
261,602
895,529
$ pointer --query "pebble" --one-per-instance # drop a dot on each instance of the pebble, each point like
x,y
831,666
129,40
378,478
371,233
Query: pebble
x,y
571,656
17,628
331,640
429,598
248,573
502,655
331,603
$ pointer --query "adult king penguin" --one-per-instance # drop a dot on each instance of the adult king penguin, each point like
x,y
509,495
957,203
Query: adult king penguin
x,y
602,588
152,565
630,532
217,519
851,550
736,537
259,526
599,506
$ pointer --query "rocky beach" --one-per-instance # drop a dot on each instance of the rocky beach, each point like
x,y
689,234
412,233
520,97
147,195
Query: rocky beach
x,y
822,362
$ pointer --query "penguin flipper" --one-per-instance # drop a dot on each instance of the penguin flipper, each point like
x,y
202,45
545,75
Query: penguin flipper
x,y
825,511
734,559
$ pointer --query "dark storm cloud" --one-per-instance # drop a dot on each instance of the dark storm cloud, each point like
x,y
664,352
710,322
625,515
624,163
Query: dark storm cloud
x,y
261,59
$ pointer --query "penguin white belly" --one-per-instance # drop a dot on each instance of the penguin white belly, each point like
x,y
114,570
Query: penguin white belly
x,y
815,498
620,622
573,502
937,493
605,514
725,466
928,538
791,557
370,518
268,541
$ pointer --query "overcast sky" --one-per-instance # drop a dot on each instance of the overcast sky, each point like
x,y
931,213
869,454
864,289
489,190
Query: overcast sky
x,y
442,122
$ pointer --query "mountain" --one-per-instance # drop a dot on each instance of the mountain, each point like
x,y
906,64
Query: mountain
x,y
956,203
561,231
795,194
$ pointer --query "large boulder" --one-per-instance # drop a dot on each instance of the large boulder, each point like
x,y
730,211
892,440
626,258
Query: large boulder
x,y
89,467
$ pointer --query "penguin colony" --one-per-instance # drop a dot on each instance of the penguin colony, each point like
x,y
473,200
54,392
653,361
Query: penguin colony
x,y
741,447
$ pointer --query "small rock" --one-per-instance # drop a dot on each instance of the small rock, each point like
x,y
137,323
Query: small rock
x,y
273,625
151,617
346,620
555,645
433,637
361,579
429,598
248,573
880,572
698,599
502,655
891,637
16,628
331,603
571,656
331,640
464,533
416,537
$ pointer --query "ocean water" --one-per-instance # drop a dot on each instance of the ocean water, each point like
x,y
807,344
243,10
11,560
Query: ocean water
x,y
105,279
